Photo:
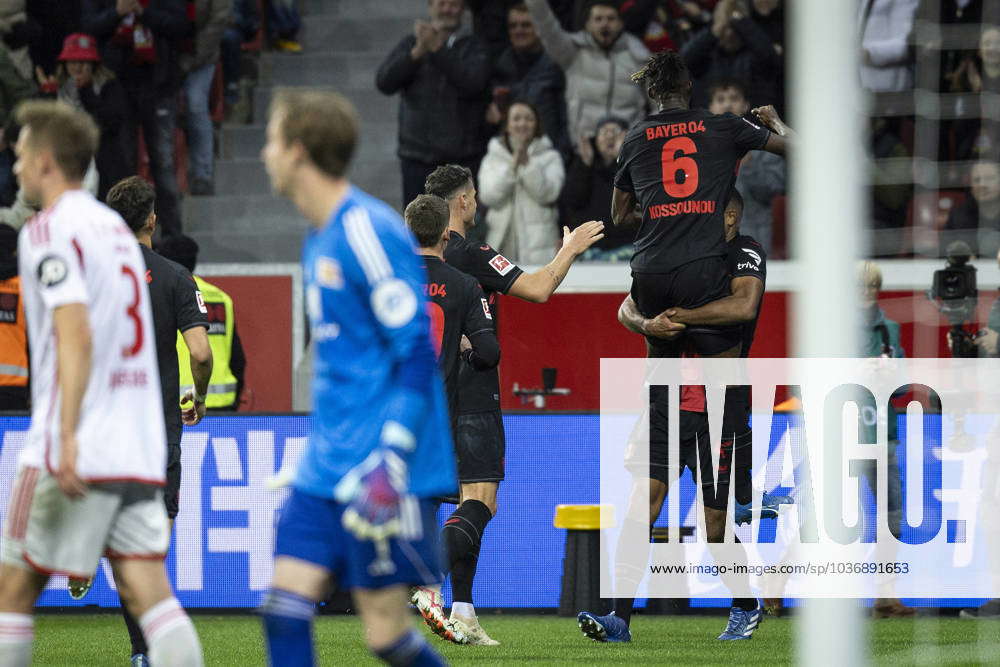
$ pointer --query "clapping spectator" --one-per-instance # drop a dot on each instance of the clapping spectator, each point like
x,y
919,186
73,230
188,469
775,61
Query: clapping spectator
x,y
734,47
138,43
211,19
519,181
977,220
980,135
598,61
886,63
83,82
525,72
441,71
761,176
589,183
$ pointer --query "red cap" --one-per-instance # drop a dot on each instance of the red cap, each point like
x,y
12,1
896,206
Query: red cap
x,y
79,46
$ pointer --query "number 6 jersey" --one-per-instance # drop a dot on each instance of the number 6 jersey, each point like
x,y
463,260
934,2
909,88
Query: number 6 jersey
x,y
79,251
681,165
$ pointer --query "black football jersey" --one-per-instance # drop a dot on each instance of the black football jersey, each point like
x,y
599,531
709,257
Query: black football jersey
x,y
457,306
479,391
747,258
681,166
177,306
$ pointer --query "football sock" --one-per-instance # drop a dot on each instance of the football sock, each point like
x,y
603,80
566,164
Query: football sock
x,y
410,650
288,628
134,633
463,535
630,565
171,636
16,634
465,609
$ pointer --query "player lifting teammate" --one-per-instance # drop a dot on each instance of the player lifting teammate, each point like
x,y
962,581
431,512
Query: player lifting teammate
x,y
679,165
479,436
379,449
90,475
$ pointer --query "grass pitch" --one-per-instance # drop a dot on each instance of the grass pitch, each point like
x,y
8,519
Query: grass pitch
x,y
538,639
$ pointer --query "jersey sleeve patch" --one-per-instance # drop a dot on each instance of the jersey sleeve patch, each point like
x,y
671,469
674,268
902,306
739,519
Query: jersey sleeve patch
x,y
52,270
201,302
394,303
501,264
486,309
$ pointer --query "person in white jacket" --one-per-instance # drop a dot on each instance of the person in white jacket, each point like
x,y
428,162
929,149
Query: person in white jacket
x,y
519,181
886,62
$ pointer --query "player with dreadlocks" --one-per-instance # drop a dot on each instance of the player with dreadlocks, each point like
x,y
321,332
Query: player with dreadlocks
x,y
679,166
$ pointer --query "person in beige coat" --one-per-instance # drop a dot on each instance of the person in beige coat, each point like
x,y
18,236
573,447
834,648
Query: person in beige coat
x,y
519,181
598,61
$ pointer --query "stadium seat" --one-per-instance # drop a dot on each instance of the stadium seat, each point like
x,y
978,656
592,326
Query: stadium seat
x,y
581,577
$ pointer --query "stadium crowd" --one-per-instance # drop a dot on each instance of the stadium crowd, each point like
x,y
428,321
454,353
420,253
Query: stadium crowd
x,y
156,75
530,79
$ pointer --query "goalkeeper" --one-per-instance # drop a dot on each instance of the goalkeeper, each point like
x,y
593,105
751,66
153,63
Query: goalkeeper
x,y
379,446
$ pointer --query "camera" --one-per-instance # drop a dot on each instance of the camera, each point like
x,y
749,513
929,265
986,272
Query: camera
x,y
954,292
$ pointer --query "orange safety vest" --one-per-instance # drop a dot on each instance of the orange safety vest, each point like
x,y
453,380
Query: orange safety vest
x,y
13,337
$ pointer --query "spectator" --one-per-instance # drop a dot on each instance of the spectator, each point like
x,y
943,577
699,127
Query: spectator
x,y
442,71
55,20
977,220
283,24
13,86
525,72
229,360
980,135
519,181
770,16
83,82
734,47
886,63
211,19
16,31
8,182
890,198
589,183
598,62
243,28
13,334
761,176
137,39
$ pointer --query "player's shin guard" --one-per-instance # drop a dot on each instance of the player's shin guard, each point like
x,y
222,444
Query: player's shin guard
x,y
410,650
16,634
288,628
463,537
170,635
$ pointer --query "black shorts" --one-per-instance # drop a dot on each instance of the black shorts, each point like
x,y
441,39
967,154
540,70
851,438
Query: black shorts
x,y
479,447
736,451
689,286
172,491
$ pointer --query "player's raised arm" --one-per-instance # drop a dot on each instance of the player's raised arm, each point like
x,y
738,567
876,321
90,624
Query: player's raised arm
x,y
539,285
782,135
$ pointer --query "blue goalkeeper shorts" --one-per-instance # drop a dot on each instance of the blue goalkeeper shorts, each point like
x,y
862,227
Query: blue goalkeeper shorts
x,y
310,529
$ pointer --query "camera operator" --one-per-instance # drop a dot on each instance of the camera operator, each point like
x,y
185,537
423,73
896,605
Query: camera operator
x,y
986,339
880,338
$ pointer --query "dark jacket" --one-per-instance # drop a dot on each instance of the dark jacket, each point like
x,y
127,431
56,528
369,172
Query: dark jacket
x,y
587,196
754,64
964,224
443,99
109,109
166,19
533,77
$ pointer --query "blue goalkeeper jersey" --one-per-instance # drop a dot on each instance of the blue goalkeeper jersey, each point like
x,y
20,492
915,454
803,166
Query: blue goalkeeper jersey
x,y
374,359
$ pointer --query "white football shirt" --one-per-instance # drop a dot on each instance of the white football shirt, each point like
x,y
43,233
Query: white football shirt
x,y
80,251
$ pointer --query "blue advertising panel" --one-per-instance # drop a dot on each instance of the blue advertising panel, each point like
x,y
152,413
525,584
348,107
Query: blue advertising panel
x,y
221,550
